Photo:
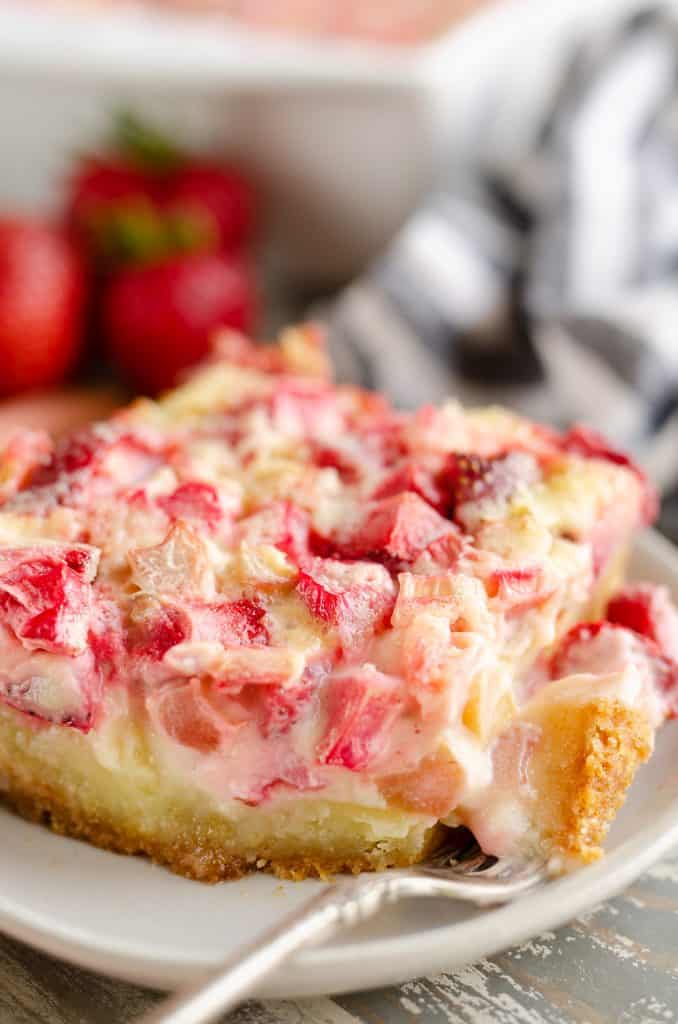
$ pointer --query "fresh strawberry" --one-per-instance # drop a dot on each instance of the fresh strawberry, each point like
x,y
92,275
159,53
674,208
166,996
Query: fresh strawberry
x,y
101,185
41,305
194,500
160,319
222,192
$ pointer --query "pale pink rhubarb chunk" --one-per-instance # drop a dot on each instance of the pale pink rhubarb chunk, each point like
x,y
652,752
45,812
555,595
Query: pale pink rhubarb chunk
x,y
581,440
518,590
187,716
24,453
53,688
177,565
46,595
397,529
281,524
360,708
355,597
411,476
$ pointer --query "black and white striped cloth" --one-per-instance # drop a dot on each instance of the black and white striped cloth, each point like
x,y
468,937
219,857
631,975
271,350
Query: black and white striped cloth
x,y
551,283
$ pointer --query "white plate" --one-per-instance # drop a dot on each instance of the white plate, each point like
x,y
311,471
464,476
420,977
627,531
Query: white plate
x,y
125,917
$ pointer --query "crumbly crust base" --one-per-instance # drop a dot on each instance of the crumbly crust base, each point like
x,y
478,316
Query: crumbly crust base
x,y
193,839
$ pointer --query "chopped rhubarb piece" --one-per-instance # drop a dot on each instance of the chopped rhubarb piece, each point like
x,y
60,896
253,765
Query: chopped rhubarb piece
x,y
326,456
24,454
648,610
518,589
176,565
472,478
283,525
194,500
433,787
356,597
46,602
239,622
582,440
281,706
123,460
397,528
290,770
360,709
305,407
53,689
411,476
188,717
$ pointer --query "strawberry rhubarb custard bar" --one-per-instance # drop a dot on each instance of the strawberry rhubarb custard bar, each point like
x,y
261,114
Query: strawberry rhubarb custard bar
x,y
266,622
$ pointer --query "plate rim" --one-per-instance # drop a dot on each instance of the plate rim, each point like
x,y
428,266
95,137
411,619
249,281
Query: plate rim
x,y
391,959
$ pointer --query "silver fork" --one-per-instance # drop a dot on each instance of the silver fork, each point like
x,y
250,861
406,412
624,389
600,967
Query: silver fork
x,y
458,870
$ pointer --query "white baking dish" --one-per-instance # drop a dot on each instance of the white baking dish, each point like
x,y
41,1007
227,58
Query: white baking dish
x,y
344,138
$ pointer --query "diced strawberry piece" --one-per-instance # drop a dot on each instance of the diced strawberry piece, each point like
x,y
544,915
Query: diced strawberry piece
x,y
472,478
397,528
648,610
188,717
361,709
290,771
410,476
356,598
518,589
581,440
194,500
169,628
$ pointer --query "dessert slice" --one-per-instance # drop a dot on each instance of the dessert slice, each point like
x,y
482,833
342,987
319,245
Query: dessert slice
x,y
271,623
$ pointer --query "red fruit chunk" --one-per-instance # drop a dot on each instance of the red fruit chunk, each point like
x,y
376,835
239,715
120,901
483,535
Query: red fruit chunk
x,y
357,598
582,440
170,628
361,709
397,528
281,524
220,192
194,500
648,610
577,640
326,457
42,293
117,462
518,589
188,717
25,453
238,622
470,478
411,477
47,603
281,706
160,318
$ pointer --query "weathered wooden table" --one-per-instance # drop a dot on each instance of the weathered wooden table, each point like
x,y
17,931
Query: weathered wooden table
x,y
617,963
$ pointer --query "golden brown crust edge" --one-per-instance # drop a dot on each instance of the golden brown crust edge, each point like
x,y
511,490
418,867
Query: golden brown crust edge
x,y
605,742
198,855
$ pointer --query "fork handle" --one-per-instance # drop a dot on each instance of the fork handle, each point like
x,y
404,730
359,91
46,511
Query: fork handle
x,y
342,904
